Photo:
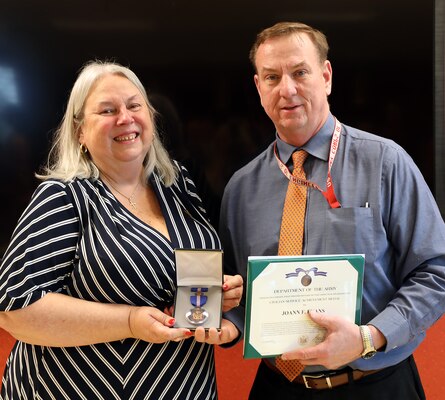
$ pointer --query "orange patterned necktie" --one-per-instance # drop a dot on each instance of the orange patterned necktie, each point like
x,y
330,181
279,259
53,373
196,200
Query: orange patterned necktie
x,y
291,239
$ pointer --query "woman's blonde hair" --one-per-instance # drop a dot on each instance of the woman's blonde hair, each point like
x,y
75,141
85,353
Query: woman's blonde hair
x,y
67,160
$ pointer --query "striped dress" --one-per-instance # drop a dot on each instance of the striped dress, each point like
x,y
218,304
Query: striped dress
x,y
75,238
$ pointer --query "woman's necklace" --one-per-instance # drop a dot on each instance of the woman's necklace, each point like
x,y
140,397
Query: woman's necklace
x,y
131,198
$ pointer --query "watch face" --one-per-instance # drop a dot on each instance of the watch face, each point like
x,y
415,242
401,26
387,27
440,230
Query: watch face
x,y
369,354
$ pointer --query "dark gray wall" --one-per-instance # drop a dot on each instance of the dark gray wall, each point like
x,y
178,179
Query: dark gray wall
x,y
192,57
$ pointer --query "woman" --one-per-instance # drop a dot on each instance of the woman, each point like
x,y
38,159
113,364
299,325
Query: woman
x,y
87,281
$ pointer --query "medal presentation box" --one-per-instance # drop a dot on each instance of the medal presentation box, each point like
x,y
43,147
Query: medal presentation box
x,y
199,296
281,290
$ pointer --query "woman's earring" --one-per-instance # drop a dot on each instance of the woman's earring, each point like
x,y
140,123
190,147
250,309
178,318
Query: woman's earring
x,y
83,149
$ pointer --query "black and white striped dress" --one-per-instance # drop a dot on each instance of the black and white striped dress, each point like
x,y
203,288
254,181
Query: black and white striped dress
x,y
77,239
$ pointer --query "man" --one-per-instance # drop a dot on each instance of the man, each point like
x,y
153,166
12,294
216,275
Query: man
x,y
376,204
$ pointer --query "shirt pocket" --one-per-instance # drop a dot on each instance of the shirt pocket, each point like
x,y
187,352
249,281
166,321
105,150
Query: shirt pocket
x,y
350,231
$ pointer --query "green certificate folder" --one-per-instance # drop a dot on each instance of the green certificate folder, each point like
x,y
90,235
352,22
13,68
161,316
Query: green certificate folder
x,y
281,290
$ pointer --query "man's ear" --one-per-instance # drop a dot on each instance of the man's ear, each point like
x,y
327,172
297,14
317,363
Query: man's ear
x,y
257,82
256,79
327,74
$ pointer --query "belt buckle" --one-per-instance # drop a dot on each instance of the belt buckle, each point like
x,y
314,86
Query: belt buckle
x,y
306,383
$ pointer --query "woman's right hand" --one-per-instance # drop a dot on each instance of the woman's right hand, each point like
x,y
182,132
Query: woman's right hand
x,y
59,320
152,325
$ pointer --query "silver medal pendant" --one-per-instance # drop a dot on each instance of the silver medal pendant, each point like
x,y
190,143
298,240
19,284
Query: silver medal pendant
x,y
197,316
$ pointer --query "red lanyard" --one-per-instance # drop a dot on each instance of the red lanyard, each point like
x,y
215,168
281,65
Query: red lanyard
x,y
329,193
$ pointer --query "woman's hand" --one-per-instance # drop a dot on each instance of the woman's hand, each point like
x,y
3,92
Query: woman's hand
x,y
233,291
228,333
152,325
58,320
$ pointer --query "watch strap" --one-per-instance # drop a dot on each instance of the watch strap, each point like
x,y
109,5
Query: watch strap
x,y
368,344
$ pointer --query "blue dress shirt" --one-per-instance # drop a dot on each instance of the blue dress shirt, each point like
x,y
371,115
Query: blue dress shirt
x,y
401,232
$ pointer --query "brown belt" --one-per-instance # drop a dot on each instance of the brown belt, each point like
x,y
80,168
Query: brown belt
x,y
324,380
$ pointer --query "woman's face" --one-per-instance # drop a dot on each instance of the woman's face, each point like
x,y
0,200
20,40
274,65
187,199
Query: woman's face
x,y
117,128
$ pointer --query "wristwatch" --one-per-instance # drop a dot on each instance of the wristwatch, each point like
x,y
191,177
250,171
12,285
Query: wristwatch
x,y
368,345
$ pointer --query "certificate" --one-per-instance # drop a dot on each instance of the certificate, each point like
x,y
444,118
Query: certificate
x,y
281,290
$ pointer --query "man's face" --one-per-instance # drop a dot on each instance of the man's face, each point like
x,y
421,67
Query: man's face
x,y
293,86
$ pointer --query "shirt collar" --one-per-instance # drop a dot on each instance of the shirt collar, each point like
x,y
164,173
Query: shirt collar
x,y
318,146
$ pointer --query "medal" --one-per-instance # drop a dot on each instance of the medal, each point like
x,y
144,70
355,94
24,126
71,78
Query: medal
x,y
197,315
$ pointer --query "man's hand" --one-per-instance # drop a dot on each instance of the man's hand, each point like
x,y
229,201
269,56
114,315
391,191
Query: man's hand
x,y
342,344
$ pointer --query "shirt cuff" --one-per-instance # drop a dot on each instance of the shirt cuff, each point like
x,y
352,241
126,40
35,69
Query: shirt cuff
x,y
394,327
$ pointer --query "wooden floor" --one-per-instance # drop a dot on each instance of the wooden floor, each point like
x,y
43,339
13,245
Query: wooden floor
x,y
235,375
